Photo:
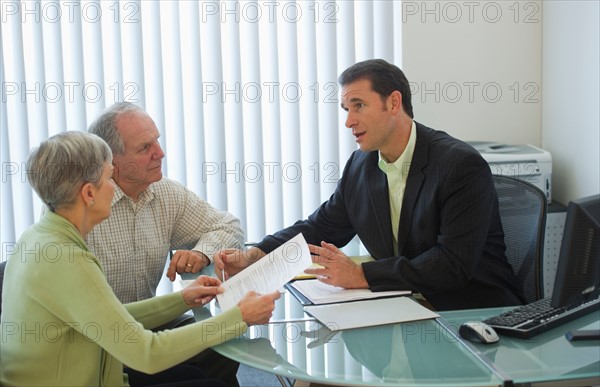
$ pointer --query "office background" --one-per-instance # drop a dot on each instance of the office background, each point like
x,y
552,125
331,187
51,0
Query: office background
x,y
544,58
507,71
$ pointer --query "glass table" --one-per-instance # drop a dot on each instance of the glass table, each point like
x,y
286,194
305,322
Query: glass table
x,y
423,353
296,346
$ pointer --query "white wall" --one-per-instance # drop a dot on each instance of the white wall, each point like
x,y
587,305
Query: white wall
x,y
543,56
570,109
476,67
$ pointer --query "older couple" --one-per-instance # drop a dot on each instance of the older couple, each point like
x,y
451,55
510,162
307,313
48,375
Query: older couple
x,y
62,323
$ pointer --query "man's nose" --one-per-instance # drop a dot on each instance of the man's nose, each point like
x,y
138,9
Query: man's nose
x,y
350,120
158,152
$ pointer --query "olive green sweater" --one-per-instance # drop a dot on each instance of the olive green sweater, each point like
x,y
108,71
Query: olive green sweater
x,y
61,323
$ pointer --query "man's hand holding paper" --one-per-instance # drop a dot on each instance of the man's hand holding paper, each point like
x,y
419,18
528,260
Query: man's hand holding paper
x,y
229,262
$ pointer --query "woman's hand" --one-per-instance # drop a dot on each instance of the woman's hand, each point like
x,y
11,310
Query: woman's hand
x,y
256,308
202,291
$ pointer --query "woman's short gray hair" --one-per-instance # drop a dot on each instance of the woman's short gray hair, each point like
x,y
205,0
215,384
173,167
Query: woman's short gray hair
x,y
105,126
63,163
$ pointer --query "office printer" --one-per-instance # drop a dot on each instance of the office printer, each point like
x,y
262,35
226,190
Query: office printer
x,y
522,161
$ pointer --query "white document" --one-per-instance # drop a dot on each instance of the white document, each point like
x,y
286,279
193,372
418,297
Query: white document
x,y
369,313
321,293
269,273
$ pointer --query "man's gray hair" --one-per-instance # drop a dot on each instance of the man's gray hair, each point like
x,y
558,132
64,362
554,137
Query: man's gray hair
x,y
105,126
59,167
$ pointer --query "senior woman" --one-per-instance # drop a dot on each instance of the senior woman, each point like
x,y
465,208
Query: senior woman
x,y
61,323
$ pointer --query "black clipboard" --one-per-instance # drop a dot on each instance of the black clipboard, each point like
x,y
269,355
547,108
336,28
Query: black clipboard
x,y
305,301
299,296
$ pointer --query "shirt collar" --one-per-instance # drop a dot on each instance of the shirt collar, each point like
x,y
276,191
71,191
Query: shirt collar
x,y
405,157
146,195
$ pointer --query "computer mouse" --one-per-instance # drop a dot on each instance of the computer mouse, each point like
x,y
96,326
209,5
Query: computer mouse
x,y
478,332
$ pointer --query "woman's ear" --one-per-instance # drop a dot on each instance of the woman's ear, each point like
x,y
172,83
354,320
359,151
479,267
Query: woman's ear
x,y
88,194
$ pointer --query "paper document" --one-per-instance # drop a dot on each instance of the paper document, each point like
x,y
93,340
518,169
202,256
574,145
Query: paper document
x,y
369,313
318,292
269,273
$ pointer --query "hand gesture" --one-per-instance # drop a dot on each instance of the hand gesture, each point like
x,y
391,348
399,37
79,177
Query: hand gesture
x,y
338,269
202,291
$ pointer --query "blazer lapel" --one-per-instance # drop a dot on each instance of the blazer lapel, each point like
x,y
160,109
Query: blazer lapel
x,y
416,177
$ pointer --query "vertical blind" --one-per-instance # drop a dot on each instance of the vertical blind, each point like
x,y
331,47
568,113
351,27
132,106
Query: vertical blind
x,y
244,93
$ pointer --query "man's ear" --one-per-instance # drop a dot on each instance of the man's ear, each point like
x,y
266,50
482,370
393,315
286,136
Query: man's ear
x,y
88,194
395,102
115,172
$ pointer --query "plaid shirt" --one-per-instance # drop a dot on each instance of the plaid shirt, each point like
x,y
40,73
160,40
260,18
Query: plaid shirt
x,y
134,242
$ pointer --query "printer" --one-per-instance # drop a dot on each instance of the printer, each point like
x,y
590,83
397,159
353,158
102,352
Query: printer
x,y
523,161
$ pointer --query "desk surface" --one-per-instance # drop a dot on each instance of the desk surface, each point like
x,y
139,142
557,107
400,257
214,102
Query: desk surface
x,y
546,357
422,353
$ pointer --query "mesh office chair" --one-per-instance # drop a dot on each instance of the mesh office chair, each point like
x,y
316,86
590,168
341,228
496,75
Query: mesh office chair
x,y
523,209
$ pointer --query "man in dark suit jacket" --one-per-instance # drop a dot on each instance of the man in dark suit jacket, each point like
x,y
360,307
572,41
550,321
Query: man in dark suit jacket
x,y
422,202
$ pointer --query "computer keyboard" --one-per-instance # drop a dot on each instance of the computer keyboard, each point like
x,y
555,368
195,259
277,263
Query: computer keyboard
x,y
532,319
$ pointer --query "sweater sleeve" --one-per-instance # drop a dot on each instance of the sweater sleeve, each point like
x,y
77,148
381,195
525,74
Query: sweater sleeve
x,y
156,311
77,292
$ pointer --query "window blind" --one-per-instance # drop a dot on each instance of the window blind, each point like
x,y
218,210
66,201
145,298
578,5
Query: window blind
x,y
244,93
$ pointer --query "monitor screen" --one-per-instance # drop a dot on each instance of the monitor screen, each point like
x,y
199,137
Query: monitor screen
x,y
578,272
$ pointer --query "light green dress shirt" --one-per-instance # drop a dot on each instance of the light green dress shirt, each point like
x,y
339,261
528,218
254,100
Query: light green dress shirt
x,y
397,173
62,325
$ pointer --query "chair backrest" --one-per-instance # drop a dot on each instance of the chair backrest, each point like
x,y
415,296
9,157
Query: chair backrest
x,y
2,266
523,209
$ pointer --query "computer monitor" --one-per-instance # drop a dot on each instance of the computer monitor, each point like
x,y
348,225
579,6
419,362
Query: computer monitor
x,y
578,272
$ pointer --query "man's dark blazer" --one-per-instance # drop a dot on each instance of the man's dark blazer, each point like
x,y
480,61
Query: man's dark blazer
x,y
450,238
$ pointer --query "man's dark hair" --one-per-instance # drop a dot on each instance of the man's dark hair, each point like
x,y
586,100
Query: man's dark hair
x,y
385,79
